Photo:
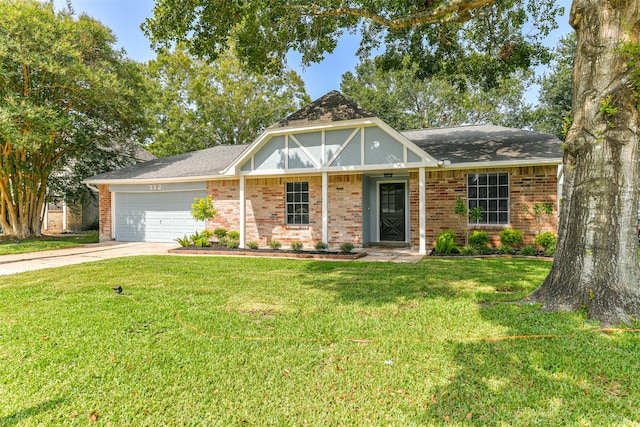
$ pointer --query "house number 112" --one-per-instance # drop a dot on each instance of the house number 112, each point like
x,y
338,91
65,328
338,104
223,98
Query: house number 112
x,y
155,187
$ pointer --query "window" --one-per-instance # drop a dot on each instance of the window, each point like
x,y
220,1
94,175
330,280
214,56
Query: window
x,y
490,192
297,203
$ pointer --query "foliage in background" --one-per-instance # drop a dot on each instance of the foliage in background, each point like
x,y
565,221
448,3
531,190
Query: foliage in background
x,y
71,105
197,105
556,88
202,208
406,100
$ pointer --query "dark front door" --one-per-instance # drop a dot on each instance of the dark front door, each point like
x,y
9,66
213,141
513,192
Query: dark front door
x,y
392,212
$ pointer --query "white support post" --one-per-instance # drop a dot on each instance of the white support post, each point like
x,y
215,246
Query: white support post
x,y
325,207
64,215
243,205
422,206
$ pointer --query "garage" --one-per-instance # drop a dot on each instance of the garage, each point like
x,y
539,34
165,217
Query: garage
x,y
155,216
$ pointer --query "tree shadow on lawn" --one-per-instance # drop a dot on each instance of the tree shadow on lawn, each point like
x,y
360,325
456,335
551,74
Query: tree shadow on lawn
x,y
573,376
22,415
378,283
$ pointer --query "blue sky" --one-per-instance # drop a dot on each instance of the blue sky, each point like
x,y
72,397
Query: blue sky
x,y
125,16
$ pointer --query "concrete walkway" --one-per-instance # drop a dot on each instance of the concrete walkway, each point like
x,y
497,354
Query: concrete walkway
x,y
18,263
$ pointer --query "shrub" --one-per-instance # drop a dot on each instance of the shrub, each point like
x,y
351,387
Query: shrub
x,y
446,242
551,251
200,241
233,244
252,245
527,250
505,249
546,240
510,237
184,241
346,248
479,240
321,246
202,208
220,232
222,241
233,235
468,250
206,233
296,246
274,244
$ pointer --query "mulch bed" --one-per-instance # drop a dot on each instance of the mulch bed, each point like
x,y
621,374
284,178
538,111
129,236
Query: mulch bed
x,y
279,253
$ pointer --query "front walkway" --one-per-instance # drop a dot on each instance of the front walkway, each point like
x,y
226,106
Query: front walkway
x,y
391,255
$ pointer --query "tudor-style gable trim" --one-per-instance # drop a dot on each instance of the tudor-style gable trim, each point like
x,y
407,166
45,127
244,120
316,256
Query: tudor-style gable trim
x,y
284,139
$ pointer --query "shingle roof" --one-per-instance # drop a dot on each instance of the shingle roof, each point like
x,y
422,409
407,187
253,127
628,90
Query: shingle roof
x,y
208,162
331,107
486,143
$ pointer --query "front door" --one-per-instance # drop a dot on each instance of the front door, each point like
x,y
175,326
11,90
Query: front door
x,y
392,212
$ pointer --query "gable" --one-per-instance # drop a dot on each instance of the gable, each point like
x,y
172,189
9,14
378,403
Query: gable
x,y
359,146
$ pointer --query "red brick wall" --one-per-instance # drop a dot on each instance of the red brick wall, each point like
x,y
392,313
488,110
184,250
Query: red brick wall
x,y
265,209
527,185
104,206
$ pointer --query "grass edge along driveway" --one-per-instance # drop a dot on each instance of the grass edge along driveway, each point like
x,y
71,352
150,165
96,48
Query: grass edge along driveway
x,y
232,341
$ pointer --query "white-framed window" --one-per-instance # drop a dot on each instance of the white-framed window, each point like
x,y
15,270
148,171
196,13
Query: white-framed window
x,y
297,203
489,192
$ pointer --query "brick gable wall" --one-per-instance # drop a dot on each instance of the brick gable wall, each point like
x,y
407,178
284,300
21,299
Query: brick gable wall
x,y
104,209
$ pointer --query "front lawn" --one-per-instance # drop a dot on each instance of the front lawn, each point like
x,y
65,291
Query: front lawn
x,y
45,243
236,341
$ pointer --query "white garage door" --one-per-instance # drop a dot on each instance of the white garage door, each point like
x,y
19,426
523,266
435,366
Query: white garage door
x,y
155,217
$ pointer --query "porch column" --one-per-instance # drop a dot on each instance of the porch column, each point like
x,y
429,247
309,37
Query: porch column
x,y
325,207
422,206
243,208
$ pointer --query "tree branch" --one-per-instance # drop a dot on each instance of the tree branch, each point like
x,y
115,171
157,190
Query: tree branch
x,y
452,11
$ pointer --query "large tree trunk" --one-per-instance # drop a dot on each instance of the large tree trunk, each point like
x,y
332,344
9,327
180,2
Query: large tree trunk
x,y
596,262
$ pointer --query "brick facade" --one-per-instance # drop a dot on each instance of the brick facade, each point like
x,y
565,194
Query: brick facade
x,y
527,185
104,207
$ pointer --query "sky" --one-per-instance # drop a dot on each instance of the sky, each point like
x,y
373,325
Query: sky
x,y
124,17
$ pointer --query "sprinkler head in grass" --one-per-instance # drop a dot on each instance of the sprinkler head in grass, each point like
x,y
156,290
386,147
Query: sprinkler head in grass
x,y
117,289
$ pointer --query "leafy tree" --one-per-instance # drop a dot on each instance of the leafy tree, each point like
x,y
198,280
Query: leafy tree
x,y
596,263
69,103
405,100
198,105
554,111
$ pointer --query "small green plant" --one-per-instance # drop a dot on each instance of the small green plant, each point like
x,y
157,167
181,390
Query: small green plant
x,y
462,212
253,245
541,213
546,240
505,249
200,241
346,248
446,242
202,208
510,237
527,250
551,251
475,215
274,244
233,244
184,241
296,246
607,108
220,232
468,251
233,235
321,246
206,233
479,240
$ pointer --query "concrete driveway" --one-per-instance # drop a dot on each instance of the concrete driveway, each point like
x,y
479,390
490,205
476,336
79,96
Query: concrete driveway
x,y
11,264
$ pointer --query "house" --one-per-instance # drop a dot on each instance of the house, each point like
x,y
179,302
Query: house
x,y
335,173
60,216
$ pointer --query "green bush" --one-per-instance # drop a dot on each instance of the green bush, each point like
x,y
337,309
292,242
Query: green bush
x,y
252,245
200,241
468,250
202,208
220,232
233,244
550,251
527,250
505,249
296,246
479,240
274,244
546,240
446,242
346,248
234,235
184,241
510,237
321,246
206,233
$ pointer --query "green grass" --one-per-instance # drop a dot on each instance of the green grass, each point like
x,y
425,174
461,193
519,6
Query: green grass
x,y
13,246
235,341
